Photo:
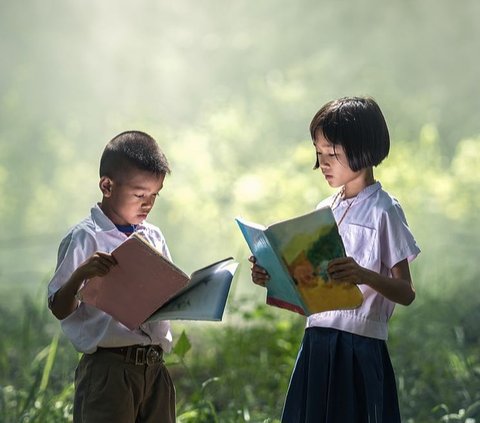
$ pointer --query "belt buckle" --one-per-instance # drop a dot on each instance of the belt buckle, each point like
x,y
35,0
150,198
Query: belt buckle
x,y
153,356
140,356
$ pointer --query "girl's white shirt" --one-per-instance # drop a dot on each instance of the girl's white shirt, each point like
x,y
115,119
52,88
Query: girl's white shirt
x,y
375,233
88,327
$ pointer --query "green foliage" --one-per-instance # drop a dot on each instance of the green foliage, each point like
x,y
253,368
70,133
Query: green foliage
x,y
435,349
238,371
469,415
33,385
246,364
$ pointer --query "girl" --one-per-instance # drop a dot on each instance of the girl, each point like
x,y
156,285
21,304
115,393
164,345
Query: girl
x,y
343,372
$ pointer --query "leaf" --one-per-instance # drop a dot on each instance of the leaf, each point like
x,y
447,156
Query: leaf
x,y
473,410
182,346
208,381
52,352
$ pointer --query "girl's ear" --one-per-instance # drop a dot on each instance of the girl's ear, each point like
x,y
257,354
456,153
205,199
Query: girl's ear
x,y
105,185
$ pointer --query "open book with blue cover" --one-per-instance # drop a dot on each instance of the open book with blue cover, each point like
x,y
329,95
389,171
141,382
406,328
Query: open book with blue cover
x,y
144,286
296,253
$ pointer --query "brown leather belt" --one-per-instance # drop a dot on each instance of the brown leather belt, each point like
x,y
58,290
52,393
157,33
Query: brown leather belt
x,y
138,354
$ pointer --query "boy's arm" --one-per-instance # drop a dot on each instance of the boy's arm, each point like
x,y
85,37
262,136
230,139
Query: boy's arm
x,y
398,288
64,302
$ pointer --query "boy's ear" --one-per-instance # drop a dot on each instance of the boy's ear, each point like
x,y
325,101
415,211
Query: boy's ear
x,y
105,185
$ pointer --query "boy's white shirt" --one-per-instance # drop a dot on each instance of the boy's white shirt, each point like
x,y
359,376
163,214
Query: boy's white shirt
x,y
88,327
375,233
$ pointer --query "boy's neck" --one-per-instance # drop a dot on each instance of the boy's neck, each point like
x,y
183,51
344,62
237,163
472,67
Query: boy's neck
x,y
114,218
364,179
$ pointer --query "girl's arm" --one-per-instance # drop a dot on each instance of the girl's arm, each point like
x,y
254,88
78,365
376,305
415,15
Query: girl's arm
x,y
259,274
398,288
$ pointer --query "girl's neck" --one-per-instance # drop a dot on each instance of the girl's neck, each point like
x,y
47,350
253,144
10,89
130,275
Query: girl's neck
x,y
364,179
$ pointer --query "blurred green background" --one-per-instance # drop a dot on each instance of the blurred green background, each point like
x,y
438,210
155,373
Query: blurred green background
x,y
229,89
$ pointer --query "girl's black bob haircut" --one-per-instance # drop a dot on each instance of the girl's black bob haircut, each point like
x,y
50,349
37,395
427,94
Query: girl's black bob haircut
x,y
132,149
358,125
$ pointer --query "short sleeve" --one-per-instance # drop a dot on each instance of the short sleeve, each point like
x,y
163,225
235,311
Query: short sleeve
x,y
74,249
155,236
396,240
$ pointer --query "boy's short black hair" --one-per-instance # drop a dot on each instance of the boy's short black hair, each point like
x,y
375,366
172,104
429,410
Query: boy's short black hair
x,y
358,125
133,149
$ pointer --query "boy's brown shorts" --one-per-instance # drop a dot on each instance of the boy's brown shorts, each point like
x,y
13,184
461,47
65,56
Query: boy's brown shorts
x,y
111,387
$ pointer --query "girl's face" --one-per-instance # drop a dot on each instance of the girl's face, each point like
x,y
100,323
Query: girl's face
x,y
128,200
334,164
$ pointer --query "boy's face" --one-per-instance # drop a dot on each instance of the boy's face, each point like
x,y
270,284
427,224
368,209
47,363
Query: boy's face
x,y
333,162
127,200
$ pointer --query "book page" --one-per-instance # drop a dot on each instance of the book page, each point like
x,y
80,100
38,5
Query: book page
x,y
205,298
306,245
280,288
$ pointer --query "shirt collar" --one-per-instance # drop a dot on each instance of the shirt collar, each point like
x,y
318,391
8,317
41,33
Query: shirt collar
x,y
365,193
102,222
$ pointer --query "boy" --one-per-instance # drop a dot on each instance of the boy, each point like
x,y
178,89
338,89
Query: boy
x,y
121,376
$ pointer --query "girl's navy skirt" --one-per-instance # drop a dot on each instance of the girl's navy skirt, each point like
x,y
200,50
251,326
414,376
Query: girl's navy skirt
x,y
340,377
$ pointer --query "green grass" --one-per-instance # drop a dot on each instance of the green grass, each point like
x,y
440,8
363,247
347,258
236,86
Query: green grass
x,y
238,370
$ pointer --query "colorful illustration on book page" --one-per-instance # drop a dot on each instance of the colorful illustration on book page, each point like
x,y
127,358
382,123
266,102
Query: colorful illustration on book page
x,y
307,256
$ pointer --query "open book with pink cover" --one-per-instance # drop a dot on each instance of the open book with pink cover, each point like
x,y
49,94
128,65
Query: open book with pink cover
x,y
296,253
144,286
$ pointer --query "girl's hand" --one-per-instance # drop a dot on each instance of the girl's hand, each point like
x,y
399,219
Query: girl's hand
x,y
99,264
259,274
346,269
397,288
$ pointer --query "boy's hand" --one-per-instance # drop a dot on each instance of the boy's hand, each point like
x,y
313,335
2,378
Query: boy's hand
x,y
259,274
64,302
98,264
345,269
